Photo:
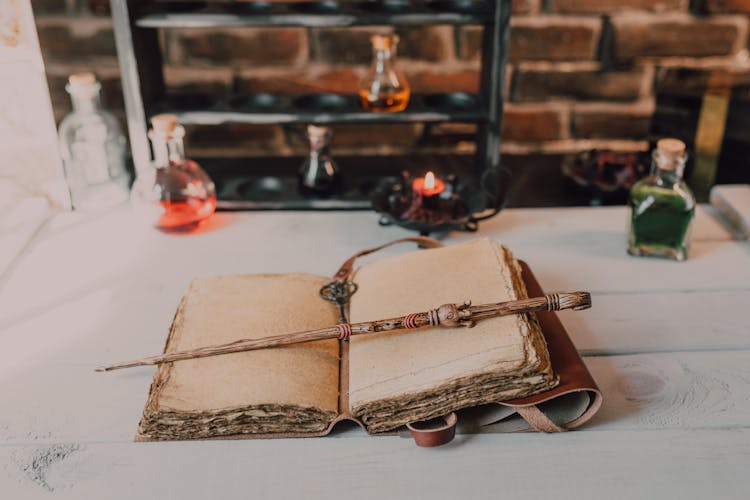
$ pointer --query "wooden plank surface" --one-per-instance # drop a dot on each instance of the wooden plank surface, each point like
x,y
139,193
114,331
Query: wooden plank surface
x,y
683,390
540,222
733,201
580,243
91,278
81,257
625,464
661,321
669,344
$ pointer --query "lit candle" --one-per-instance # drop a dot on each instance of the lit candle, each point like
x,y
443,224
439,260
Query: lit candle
x,y
428,185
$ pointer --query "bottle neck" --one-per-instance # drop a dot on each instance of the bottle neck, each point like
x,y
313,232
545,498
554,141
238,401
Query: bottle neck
x,y
319,139
666,176
318,146
167,151
668,168
382,58
85,102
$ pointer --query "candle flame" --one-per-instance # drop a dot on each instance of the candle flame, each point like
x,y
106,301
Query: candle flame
x,y
429,181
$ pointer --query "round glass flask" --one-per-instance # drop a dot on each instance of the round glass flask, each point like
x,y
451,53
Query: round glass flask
x,y
177,194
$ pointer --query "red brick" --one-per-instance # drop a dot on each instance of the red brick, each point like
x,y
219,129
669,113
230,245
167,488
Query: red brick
x,y
732,6
694,82
534,122
201,80
565,81
525,6
375,135
273,47
553,38
64,38
268,137
677,35
378,136
594,121
428,43
446,134
353,46
314,78
609,6
344,45
436,79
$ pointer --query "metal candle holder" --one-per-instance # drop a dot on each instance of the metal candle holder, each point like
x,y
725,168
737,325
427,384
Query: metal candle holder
x,y
460,207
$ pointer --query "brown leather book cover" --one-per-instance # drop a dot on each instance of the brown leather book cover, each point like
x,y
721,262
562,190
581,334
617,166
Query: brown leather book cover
x,y
572,402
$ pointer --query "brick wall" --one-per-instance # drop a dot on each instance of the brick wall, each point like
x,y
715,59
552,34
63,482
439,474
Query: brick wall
x,y
581,72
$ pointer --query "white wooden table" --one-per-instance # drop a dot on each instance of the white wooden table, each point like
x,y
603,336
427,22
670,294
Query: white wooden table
x,y
667,342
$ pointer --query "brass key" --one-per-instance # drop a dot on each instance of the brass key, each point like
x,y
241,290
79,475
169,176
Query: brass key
x,y
339,292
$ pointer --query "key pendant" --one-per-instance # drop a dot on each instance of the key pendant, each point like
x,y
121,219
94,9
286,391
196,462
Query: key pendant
x,y
339,292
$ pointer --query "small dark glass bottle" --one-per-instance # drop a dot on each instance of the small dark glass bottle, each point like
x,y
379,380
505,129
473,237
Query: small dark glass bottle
x,y
319,175
662,206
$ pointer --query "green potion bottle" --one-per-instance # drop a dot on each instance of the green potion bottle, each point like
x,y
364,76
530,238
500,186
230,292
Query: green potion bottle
x,y
662,206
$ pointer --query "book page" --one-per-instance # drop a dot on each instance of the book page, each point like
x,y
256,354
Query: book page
x,y
392,364
222,309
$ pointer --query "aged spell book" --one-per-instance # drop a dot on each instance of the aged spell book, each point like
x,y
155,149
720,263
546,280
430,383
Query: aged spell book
x,y
382,380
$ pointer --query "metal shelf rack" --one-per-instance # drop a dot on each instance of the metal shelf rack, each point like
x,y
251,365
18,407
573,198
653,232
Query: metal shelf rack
x,y
136,24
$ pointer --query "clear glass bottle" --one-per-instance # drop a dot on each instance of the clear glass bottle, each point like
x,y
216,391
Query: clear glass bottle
x,y
92,146
384,88
662,206
319,175
177,194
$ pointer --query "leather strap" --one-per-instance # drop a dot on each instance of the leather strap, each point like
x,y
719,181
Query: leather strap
x,y
345,271
434,436
538,419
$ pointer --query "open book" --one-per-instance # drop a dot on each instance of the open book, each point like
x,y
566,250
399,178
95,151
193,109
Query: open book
x,y
382,380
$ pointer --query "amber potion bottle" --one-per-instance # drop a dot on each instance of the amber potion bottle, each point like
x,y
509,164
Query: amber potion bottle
x,y
384,88
662,206
177,194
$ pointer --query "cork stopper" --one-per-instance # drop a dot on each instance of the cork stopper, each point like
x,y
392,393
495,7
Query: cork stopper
x,y
317,131
165,126
86,79
670,153
84,83
671,147
383,42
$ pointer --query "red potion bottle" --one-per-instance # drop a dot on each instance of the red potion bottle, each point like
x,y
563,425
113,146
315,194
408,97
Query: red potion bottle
x,y
177,194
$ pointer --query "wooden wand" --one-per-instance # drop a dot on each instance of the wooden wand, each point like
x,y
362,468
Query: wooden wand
x,y
447,315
